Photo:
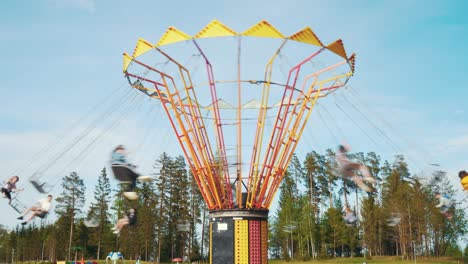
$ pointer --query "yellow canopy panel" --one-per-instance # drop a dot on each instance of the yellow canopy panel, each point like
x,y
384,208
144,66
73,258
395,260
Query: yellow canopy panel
x,y
141,47
306,36
215,29
352,61
337,48
263,29
172,35
126,61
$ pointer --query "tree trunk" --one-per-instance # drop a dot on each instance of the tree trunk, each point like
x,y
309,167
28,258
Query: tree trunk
x,y
331,193
312,243
402,241
99,247
70,240
396,247
203,232
72,218
410,231
334,244
380,238
357,203
146,242
192,225
345,194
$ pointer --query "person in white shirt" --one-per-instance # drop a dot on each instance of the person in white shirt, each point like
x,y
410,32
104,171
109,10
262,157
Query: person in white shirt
x,y
41,209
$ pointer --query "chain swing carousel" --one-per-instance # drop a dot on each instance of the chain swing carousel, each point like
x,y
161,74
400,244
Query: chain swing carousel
x,y
238,115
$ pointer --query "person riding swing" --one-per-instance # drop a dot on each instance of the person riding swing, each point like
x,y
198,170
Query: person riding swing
x,y
41,209
126,172
463,175
129,219
9,187
349,169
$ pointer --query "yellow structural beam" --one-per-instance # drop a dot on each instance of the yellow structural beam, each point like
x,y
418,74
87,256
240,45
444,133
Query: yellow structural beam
x,y
256,153
290,140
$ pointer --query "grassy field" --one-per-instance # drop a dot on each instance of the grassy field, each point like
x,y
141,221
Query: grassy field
x,y
382,260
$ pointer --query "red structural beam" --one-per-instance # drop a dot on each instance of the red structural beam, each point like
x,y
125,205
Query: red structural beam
x,y
189,132
218,125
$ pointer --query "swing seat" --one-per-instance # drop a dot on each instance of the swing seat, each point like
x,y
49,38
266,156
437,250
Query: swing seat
x,y
91,223
144,178
393,221
351,220
39,186
18,206
124,173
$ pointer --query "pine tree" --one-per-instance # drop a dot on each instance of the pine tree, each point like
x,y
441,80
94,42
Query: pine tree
x,y
4,245
147,215
373,217
312,172
179,204
312,176
70,203
288,214
197,217
99,211
333,228
164,166
329,166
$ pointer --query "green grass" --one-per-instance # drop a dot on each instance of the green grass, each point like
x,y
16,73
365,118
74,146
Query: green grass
x,y
382,260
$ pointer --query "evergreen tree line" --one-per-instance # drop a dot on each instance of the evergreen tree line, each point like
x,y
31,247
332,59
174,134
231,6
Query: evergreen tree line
x,y
309,220
170,212
308,223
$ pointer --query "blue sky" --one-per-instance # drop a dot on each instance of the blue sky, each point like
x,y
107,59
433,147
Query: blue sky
x,y
61,57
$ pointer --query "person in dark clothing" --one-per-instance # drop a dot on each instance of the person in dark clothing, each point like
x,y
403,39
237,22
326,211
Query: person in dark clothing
x,y
126,172
129,219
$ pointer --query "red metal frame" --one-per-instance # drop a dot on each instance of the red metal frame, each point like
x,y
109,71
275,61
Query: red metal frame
x,y
219,129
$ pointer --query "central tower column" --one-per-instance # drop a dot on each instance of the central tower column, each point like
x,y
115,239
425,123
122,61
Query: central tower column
x,y
239,236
